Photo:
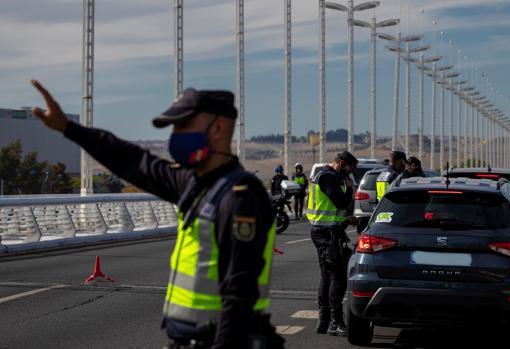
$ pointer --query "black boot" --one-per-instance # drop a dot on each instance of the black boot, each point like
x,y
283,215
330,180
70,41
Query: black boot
x,y
337,325
324,320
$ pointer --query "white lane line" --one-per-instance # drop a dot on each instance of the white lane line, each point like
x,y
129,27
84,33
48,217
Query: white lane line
x,y
29,293
296,241
289,330
306,314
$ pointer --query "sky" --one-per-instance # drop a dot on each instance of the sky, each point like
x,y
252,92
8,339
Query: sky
x,y
133,61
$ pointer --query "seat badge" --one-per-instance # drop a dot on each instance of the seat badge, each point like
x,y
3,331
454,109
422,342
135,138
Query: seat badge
x,y
442,241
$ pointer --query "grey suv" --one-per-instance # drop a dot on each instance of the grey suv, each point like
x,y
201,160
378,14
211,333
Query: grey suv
x,y
436,253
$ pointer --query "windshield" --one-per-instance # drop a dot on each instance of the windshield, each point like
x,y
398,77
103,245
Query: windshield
x,y
443,209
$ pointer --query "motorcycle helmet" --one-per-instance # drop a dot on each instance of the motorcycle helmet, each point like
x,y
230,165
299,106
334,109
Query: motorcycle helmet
x,y
278,169
298,166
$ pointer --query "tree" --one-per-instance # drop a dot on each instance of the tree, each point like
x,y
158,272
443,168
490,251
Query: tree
x,y
107,183
26,175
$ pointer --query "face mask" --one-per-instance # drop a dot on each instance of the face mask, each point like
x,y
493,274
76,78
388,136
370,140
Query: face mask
x,y
189,149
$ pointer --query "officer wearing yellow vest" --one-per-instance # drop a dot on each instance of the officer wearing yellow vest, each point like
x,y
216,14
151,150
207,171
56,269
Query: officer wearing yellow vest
x,y
329,197
220,266
299,199
395,169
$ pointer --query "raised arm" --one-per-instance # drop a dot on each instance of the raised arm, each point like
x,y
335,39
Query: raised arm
x,y
123,158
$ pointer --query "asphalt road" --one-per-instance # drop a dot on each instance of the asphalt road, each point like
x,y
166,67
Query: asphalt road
x,y
44,303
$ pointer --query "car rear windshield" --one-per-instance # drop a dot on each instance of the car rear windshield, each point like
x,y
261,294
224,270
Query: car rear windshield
x,y
369,181
445,209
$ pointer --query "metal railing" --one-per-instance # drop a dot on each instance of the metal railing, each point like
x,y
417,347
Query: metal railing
x,y
34,220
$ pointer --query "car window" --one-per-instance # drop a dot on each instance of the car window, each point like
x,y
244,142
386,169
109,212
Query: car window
x,y
443,209
369,181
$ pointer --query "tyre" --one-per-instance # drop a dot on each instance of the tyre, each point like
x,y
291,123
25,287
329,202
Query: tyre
x,y
282,222
359,330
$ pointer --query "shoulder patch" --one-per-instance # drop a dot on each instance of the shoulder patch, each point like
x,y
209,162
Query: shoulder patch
x,y
244,228
384,176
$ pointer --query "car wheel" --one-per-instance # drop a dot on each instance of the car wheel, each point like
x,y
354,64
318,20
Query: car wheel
x,y
359,330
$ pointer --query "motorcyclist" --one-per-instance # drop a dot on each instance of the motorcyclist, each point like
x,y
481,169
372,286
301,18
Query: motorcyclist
x,y
277,179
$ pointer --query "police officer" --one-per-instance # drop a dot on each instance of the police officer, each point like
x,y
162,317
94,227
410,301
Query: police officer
x,y
276,181
219,283
396,167
299,199
330,195
413,168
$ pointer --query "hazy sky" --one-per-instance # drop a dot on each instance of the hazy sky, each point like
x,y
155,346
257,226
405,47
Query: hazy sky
x,y
42,39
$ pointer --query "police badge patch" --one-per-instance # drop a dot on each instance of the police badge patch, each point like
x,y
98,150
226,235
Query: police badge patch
x,y
244,228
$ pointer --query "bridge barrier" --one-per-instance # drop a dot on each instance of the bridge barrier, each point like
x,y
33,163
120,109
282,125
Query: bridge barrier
x,y
35,222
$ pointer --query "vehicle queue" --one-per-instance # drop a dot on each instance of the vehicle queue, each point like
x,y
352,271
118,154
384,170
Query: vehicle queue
x,y
432,251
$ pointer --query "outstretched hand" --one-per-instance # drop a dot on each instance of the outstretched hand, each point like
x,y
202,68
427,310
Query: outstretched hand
x,y
53,117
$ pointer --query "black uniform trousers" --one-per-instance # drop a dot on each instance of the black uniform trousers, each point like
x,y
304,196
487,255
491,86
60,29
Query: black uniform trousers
x,y
328,241
299,202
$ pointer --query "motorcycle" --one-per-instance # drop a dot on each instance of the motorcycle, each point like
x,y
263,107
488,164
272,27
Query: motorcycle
x,y
279,202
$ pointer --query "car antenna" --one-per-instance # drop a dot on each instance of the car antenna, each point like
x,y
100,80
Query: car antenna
x,y
489,169
447,175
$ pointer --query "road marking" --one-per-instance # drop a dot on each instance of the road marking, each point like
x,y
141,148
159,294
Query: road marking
x,y
296,241
306,314
29,293
289,330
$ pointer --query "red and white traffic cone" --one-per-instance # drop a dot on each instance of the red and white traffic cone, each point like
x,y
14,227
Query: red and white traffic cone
x,y
98,273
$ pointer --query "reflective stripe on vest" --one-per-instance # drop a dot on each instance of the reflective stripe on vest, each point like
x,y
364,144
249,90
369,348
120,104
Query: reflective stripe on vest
x,y
321,210
193,293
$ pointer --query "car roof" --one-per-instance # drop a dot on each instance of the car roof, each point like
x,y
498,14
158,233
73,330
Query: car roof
x,y
439,183
479,170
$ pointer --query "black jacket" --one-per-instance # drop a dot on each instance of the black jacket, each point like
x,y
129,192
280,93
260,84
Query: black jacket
x,y
240,262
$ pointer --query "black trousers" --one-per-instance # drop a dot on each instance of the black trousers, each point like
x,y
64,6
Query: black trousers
x,y
333,265
299,202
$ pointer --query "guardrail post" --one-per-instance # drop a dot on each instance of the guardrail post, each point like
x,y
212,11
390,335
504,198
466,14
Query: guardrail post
x,y
153,215
36,236
101,220
73,233
131,224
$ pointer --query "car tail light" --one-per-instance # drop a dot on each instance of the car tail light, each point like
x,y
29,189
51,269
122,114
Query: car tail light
x,y
360,195
487,175
501,247
373,244
362,294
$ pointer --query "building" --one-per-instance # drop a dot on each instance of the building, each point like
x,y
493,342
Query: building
x,y
35,136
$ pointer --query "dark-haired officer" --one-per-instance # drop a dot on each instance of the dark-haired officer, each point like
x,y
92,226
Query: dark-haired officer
x,y
413,168
219,282
395,169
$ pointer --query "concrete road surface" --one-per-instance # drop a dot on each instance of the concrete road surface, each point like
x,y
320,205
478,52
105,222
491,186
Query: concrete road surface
x,y
44,303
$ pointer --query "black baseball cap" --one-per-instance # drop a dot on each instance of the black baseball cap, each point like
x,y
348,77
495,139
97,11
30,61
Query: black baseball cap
x,y
398,155
349,158
192,102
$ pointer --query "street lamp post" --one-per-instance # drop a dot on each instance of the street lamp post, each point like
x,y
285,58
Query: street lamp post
x,y
408,60
373,25
450,121
322,78
240,80
350,9
87,99
287,88
397,49
421,64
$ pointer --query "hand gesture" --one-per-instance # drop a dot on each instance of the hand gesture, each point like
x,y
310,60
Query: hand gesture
x,y
348,182
53,117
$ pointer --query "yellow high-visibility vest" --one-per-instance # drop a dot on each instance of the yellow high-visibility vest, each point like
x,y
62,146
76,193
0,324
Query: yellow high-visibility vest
x,y
321,210
193,292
